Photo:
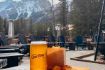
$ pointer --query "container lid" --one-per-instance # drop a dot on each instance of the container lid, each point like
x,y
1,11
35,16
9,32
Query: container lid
x,y
38,42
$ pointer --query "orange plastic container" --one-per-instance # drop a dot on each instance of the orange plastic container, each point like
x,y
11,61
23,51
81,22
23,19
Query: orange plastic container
x,y
38,53
55,57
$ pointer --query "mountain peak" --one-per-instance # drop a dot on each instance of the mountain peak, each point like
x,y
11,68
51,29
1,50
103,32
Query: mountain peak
x,y
24,8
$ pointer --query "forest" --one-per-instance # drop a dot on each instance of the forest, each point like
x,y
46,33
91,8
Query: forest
x,y
82,14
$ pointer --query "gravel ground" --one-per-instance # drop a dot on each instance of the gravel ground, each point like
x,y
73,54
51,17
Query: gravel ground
x,y
92,66
69,54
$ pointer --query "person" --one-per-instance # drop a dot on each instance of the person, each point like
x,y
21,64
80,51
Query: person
x,y
31,38
70,43
23,41
100,38
80,42
102,50
62,40
88,43
51,40
4,39
1,41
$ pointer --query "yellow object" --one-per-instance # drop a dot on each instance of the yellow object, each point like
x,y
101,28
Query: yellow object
x,y
38,53
66,67
56,68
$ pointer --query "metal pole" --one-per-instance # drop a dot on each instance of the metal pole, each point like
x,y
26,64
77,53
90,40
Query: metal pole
x,y
99,29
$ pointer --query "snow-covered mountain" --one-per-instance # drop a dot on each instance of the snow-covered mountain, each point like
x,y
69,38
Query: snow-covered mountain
x,y
35,9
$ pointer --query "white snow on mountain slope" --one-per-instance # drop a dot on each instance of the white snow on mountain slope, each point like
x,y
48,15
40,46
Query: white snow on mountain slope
x,y
35,9
22,8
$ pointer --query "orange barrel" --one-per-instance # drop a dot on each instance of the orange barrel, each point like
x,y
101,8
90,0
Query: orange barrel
x,y
38,54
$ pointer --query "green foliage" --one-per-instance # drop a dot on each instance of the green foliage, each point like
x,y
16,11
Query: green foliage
x,y
85,16
3,25
41,28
